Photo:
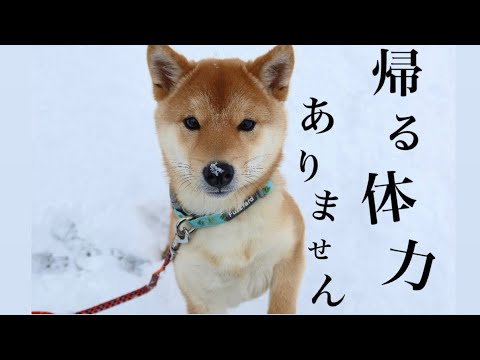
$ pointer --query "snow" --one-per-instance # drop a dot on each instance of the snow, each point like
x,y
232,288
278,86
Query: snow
x,y
100,197
214,169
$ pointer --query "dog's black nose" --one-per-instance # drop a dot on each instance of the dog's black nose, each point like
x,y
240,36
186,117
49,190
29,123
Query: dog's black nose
x,y
218,174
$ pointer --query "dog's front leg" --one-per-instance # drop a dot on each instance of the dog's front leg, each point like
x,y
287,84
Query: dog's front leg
x,y
198,307
287,275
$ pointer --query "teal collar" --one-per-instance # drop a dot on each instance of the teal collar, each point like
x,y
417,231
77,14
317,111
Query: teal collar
x,y
203,221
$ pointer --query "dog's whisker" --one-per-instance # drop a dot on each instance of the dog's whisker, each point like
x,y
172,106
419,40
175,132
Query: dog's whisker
x,y
255,158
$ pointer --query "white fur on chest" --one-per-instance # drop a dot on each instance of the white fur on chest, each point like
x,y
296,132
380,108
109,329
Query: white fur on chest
x,y
225,265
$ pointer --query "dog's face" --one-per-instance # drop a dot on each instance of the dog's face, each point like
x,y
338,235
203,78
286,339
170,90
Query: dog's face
x,y
221,124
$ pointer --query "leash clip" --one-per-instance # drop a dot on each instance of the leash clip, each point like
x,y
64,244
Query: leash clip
x,y
181,232
182,236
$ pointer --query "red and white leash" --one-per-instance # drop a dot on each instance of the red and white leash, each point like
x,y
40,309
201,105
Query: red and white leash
x,y
182,236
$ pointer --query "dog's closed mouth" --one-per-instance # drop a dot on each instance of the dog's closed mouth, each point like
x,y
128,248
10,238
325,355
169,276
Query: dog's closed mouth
x,y
219,193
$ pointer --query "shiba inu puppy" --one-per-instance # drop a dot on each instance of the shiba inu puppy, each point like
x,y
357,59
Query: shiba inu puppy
x,y
221,125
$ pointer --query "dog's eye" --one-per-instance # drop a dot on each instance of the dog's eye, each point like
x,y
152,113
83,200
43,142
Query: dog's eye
x,y
246,125
191,123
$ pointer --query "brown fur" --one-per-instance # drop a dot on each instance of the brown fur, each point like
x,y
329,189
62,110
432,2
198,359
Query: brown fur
x,y
220,94
171,234
287,274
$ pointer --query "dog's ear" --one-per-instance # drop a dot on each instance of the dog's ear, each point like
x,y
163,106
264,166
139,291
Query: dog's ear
x,y
274,70
166,68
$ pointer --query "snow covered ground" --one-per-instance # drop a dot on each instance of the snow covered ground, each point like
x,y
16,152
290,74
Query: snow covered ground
x,y
100,198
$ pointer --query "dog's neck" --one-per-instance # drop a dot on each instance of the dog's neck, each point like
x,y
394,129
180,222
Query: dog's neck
x,y
202,204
